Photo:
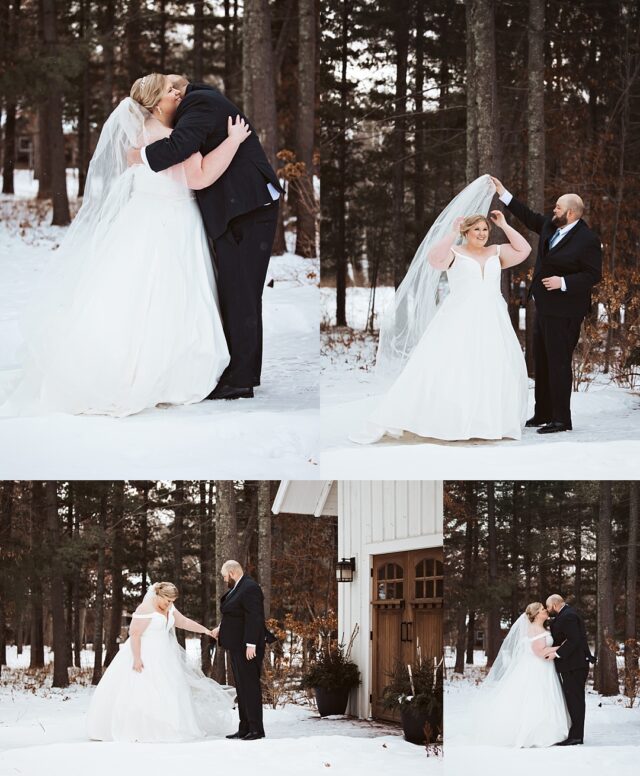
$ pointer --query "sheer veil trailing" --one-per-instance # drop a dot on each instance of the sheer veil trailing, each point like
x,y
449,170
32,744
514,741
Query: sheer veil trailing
x,y
417,297
510,652
108,188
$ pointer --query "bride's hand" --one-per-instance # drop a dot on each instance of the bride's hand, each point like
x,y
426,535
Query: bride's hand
x,y
137,665
455,228
238,129
497,216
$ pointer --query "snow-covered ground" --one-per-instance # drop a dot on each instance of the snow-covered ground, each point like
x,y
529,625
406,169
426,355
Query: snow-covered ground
x,y
606,420
612,739
42,731
271,436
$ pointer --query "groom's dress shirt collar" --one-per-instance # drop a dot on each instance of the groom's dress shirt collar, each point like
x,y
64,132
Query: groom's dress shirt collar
x,y
564,230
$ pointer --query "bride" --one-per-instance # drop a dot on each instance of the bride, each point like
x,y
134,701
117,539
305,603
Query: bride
x,y
127,316
149,692
457,365
521,703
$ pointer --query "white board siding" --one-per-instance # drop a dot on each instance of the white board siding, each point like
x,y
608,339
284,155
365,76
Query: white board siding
x,y
374,518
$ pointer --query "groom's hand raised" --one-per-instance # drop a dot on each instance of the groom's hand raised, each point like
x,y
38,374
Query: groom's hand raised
x,y
498,185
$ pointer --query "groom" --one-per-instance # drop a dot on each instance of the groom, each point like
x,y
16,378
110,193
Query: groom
x,y
572,662
242,631
240,214
568,265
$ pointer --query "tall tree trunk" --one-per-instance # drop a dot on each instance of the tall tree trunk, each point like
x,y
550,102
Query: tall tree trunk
x,y
198,40
6,519
55,133
341,194
258,85
470,85
162,36
420,164
60,672
536,147
75,591
177,542
305,129
43,156
398,140
631,677
12,22
264,542
37,617
98,628
493,613
133,40
117,578
84,118
107,38
467,576
144,529
606,673
487,109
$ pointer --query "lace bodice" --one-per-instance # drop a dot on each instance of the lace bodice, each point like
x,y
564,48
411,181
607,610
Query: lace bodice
x,y
468,275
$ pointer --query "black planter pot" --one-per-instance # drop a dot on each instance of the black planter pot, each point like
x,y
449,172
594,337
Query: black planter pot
x,y
331,702
413,723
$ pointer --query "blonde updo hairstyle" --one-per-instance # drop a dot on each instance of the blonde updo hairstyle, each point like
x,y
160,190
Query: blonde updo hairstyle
x,y
471,221
533,610
166,590
148,90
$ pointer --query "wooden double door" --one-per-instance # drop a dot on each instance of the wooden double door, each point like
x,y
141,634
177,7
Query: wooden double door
x,y
406,597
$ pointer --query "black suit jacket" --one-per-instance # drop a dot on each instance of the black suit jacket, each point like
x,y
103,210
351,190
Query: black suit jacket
x,y
577,258
243,616
201,125
570,635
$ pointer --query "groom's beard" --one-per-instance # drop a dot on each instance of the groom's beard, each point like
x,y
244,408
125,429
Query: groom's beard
x,y
559,221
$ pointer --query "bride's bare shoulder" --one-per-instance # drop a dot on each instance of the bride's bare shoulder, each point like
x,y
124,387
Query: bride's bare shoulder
x,y
145,607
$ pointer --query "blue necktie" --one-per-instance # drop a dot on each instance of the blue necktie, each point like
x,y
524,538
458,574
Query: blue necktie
x,y
554,239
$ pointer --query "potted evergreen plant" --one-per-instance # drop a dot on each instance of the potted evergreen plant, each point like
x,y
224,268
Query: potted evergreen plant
x,y
415,689
332,677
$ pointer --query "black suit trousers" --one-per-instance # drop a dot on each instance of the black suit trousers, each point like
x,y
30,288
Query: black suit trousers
x,y
573,684
246,674
554,340
242,256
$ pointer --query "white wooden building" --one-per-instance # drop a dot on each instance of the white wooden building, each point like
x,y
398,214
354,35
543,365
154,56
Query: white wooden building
x,y
393,530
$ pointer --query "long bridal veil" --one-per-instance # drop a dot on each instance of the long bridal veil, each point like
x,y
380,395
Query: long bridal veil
x,y
417,298
510,652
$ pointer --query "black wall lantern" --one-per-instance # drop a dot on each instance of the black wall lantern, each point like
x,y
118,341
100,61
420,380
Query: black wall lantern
x,y
345,569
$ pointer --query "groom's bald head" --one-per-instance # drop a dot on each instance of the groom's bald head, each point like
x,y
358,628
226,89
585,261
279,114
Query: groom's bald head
x,y
555,602
569,208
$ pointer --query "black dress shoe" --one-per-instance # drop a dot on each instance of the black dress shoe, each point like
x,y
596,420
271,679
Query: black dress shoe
x,y
570,742
253,736
230,392
554,427
534,422
239,734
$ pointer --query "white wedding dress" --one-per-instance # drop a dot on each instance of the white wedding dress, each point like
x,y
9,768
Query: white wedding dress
x,y
127,314
168,701
525,706
466,378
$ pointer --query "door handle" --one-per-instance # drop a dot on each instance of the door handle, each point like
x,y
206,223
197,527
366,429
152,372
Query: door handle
x,y
404,632
409,631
